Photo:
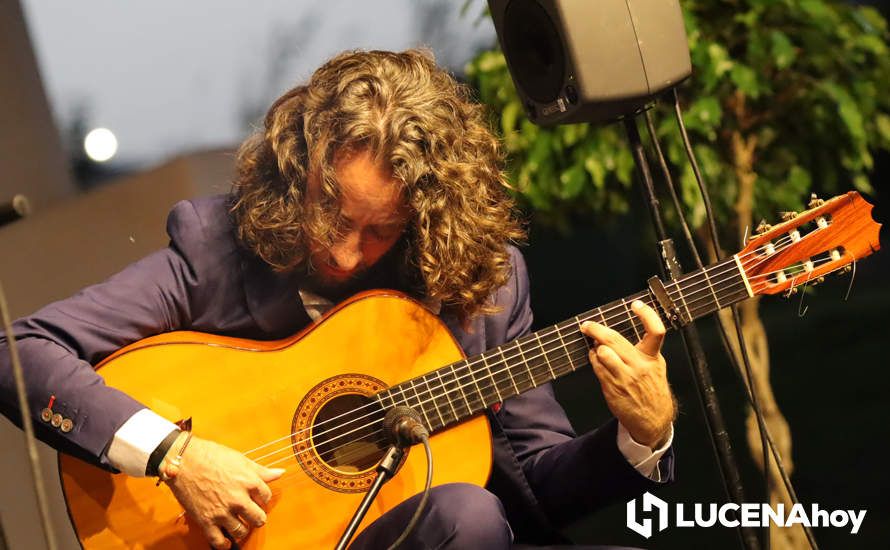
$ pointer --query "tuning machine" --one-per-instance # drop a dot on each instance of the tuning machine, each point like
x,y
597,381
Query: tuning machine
x,y
787,216
815,201
762,228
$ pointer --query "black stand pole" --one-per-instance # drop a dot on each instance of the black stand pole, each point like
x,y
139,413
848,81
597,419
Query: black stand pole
x,y
670,269
385,470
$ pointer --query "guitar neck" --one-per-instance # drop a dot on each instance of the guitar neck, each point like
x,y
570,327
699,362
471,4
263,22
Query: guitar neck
x,y
462,389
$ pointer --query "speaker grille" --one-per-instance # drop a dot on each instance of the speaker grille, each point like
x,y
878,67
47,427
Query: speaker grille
x,y
534,50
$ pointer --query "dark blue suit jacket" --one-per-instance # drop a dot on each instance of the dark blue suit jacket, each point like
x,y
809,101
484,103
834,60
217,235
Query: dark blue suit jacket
x,y
205,281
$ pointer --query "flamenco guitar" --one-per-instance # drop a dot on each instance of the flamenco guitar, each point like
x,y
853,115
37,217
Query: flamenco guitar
x,y
313,403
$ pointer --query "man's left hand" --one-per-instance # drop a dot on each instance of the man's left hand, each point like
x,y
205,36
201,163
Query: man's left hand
x,y
634,378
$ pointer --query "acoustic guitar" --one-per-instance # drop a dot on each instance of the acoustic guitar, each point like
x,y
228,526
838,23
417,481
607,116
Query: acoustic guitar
x,y
313,403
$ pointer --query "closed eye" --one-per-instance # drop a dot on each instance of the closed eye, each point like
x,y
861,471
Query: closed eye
x,y
386,232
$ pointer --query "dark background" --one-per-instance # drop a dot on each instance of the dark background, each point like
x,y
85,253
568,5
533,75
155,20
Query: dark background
x,y
828,371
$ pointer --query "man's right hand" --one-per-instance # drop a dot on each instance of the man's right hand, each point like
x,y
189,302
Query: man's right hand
x,y
221,489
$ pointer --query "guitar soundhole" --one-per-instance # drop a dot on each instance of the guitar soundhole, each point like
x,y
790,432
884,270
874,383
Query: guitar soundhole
x,y
347,433
336,433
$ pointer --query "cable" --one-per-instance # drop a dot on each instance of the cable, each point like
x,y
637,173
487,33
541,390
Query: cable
x,y
426,493
670,185
750,394
27,426
766,438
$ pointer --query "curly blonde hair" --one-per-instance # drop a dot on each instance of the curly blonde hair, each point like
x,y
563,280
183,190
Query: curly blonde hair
x,y
413,117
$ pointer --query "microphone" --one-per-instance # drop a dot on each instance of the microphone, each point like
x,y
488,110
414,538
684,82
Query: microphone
x,y
404,426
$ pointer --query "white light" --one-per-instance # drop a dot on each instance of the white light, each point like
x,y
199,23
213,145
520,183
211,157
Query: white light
x,y
100,144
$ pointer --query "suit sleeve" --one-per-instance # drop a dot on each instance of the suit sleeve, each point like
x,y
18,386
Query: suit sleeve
x,y
59,344
570,475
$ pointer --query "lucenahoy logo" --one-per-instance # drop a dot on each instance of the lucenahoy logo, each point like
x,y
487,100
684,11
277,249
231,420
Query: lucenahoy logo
x,y
747,514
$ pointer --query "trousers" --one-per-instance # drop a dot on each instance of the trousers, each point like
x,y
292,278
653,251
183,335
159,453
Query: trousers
x,y
457,516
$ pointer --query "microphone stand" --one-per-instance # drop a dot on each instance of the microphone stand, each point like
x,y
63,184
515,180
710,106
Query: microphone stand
x,y
670,270
385,471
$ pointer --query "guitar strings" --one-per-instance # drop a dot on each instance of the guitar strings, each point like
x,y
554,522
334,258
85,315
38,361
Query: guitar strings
x,y
634,320
732,267
485,384
497,362
357,454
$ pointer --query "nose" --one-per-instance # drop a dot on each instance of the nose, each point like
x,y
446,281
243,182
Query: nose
x,y
347,253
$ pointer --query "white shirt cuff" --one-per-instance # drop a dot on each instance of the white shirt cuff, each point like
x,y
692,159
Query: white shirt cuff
x,y
136,439
641,457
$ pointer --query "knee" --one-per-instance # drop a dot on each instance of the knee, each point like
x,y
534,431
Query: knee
x,y
474,516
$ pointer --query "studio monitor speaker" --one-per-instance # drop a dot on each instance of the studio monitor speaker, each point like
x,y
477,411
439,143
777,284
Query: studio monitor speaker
x,y
591,60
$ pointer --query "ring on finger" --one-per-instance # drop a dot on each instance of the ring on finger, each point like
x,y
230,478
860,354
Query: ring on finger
x,y
239,531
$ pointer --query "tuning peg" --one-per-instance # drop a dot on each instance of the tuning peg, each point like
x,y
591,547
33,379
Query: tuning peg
x,y
844,270
815,201
786,216
819,281
762,227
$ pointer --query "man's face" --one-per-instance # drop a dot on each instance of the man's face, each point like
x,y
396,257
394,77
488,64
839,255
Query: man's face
x,y
374,215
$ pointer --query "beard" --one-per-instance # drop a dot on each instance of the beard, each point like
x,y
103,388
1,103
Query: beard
x,y
391,271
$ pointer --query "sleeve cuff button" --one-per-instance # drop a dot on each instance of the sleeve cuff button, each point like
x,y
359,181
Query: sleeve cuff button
x,y
56,420
66,425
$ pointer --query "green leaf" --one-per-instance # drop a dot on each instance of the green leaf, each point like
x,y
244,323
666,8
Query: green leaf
x,y
819,13
799,180
848,111
872,44
596,170
883,123
572,181
491,61
509,116
704,115
861,183
745,80
783,51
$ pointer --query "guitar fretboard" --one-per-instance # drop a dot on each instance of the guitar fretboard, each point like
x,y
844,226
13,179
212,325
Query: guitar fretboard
x,y
462,389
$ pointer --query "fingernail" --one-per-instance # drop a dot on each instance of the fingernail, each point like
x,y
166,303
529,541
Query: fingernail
x,y
636,304
585,324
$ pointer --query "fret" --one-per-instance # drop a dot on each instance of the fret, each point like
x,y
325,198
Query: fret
x,y
461,388
420,404
602,319
380,397
679,290
433,399
528,365
583,336
475,383
510,369
562,343
445,393
631,318
711,287
544,353
491,375
402,400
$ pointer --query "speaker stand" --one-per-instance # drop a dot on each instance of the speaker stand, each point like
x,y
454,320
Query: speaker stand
x,y
670,269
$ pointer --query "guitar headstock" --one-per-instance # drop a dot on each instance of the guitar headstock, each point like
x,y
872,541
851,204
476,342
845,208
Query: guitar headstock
x,y
828,237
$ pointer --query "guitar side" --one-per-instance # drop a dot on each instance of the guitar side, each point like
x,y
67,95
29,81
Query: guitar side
x,y
243,394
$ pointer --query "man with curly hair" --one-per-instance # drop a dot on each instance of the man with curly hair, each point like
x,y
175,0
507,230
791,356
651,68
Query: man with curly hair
x,y
380,172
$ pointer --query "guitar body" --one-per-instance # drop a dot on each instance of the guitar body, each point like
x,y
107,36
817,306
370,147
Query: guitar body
x,y
246,394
